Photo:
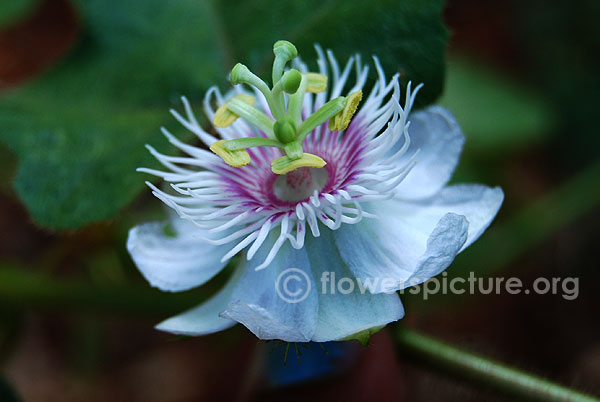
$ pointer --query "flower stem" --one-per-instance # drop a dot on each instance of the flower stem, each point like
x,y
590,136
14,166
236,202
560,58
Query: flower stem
x,y
466,365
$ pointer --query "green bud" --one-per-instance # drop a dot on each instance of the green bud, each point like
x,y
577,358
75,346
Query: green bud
x,y
285,49
285,131
291,81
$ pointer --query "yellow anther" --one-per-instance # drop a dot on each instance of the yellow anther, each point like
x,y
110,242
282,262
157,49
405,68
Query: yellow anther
x,y
285,165
341,120
334,122
315,82
225,117
236,158
352,104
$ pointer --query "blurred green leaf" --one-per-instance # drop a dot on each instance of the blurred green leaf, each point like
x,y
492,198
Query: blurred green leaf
x,y
493,111
7,168
23,288
530,226
11,10
79,130
11,323
560,42
408,36
7,393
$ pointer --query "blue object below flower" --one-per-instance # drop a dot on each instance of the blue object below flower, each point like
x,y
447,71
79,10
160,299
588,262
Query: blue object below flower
x,y
313,361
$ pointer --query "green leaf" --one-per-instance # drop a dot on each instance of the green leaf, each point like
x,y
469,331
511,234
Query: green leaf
x,y
11,10
493,110
79,171
79,130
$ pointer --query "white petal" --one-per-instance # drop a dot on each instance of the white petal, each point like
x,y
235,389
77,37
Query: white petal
x,y
478,203
204,319
415,240
439,139
257,304
394,253
343,313
173,263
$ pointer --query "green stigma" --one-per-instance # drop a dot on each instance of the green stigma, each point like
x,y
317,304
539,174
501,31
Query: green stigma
x,y
287,129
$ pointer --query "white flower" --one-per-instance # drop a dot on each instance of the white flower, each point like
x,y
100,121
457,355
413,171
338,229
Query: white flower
x,y
378,209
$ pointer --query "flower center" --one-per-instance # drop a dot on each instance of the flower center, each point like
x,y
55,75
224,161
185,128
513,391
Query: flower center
x,y
299,184
287,129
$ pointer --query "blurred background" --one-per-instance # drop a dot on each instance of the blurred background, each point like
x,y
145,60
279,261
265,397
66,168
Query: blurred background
x,y
85,84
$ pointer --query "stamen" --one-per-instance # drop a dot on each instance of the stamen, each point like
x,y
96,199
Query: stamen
x,y
233,158
284,164
249,142
252,115
224,117
316,83
342,120
326,112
